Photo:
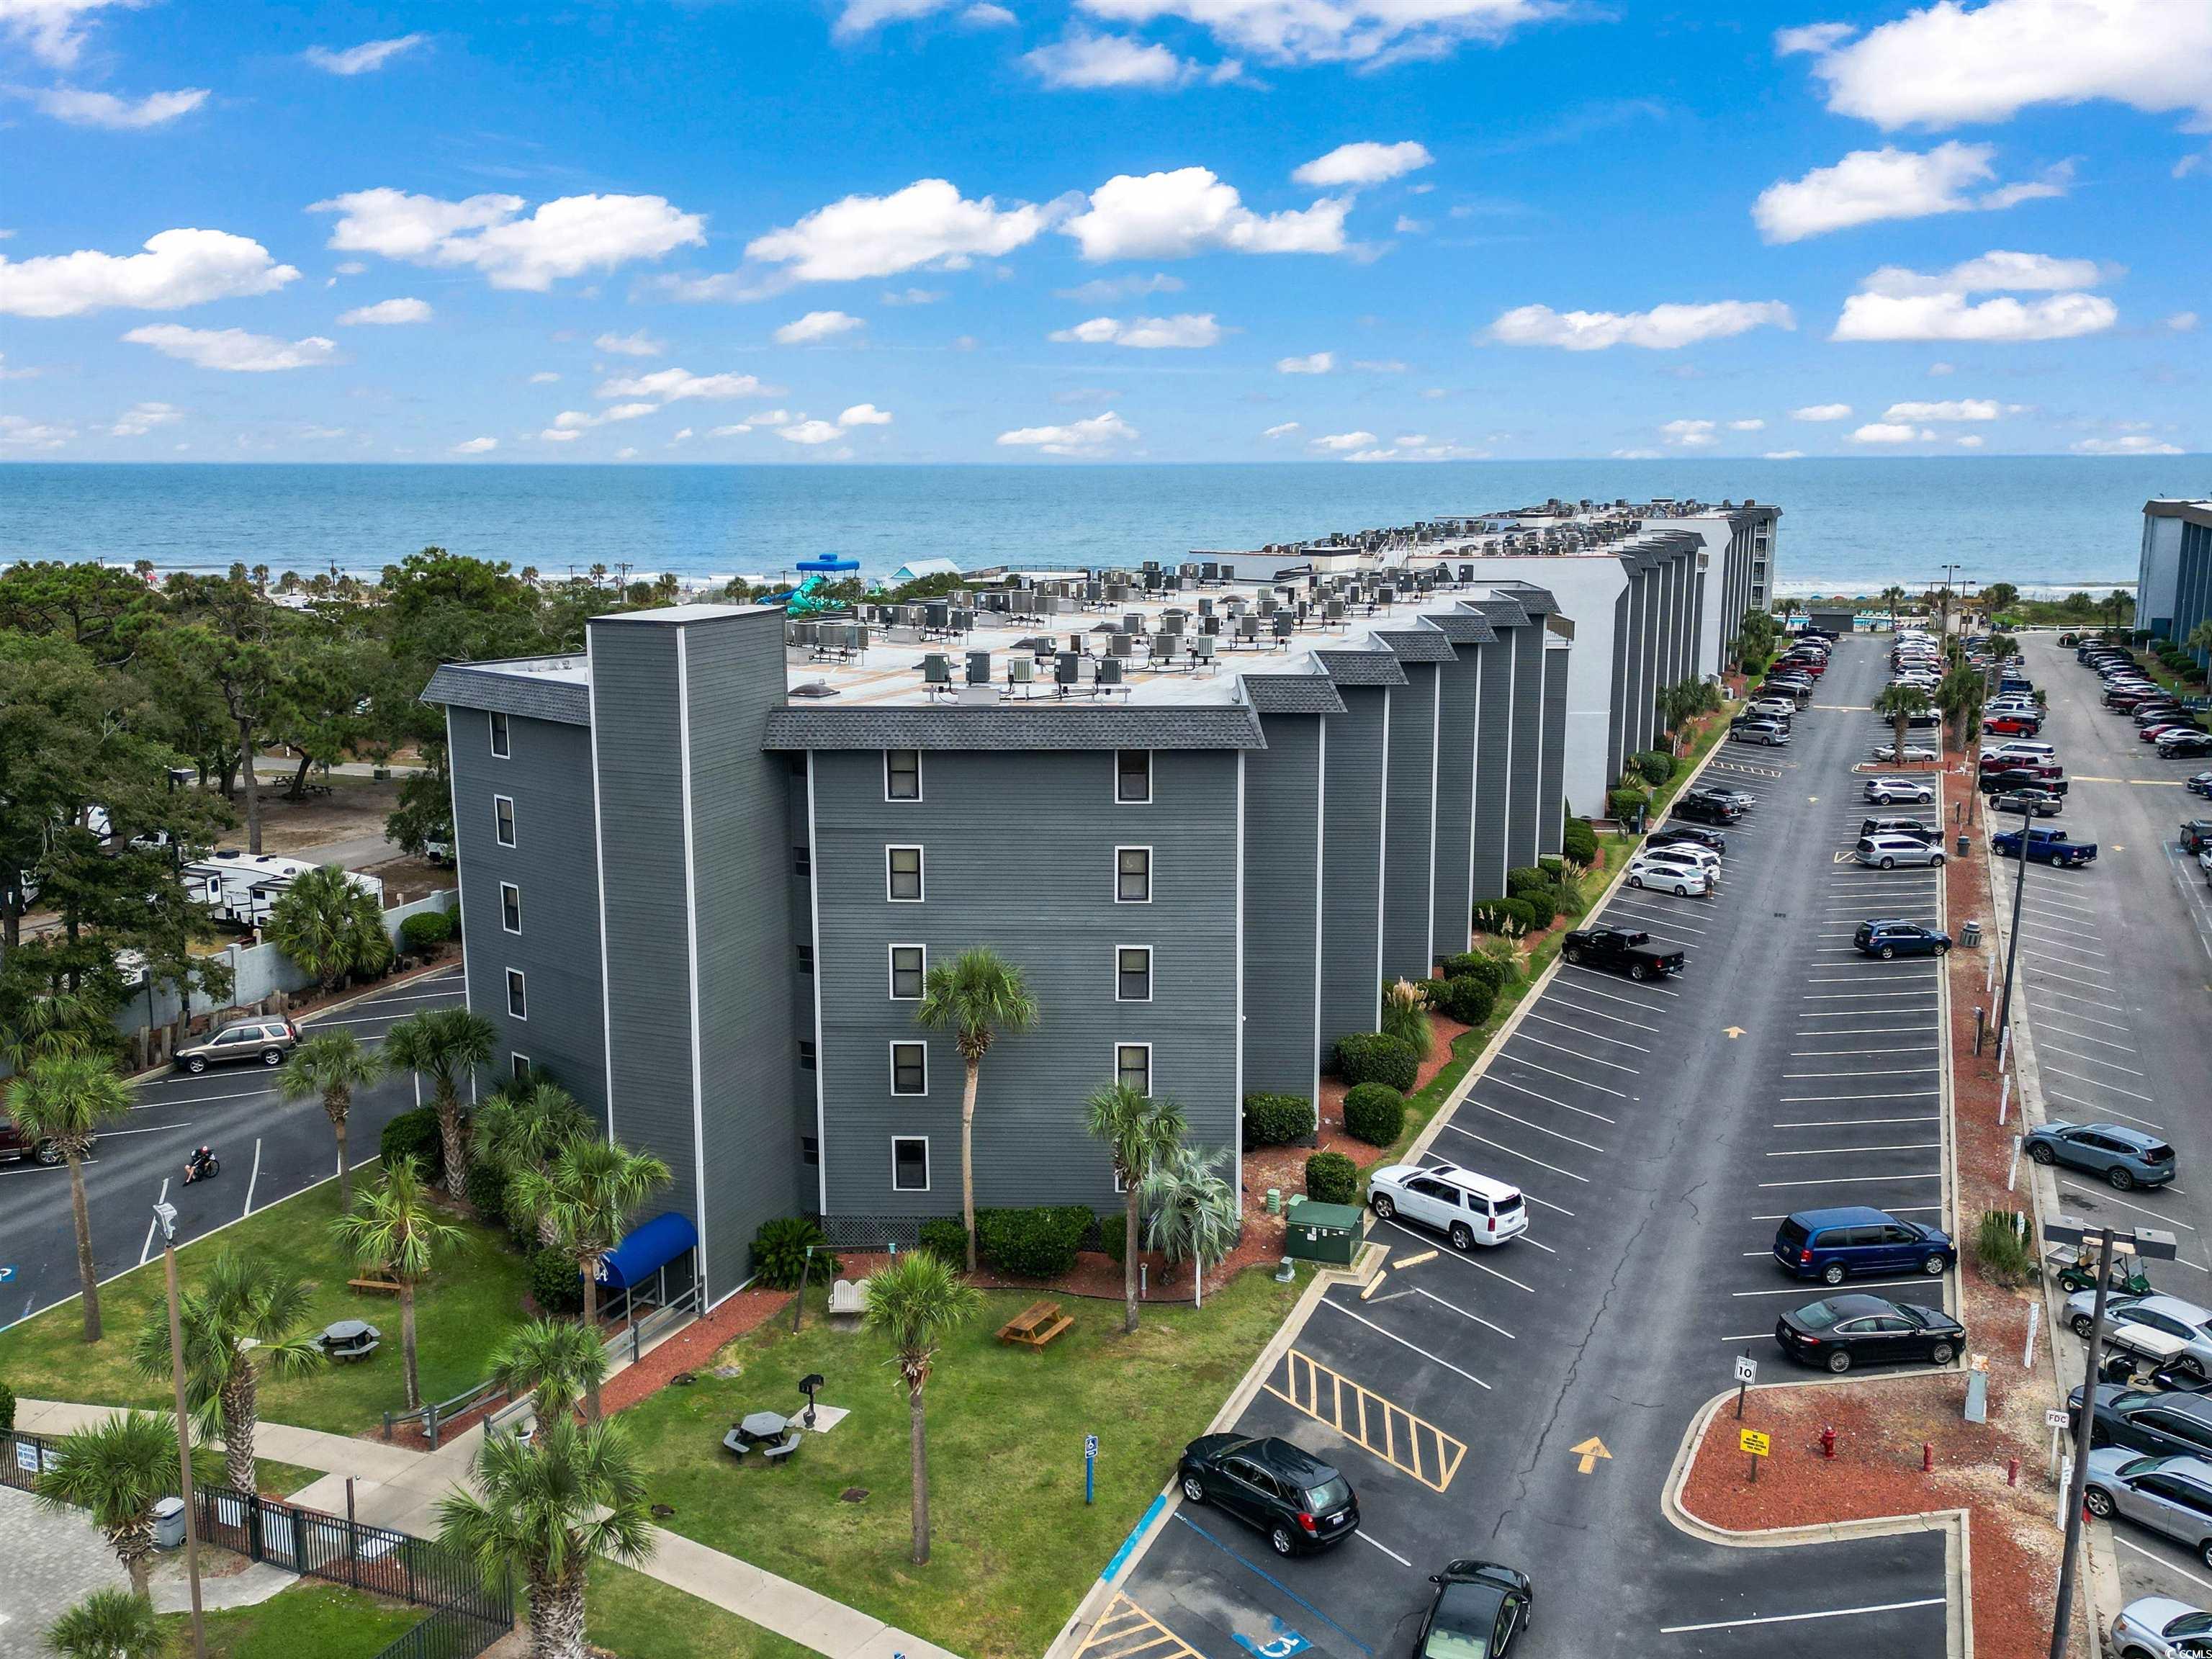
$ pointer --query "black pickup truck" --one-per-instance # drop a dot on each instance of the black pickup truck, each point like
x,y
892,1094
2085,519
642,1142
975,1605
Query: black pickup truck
x,y
1633,954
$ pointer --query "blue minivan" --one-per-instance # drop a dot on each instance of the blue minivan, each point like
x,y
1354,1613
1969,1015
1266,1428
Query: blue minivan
x,y
1830,1245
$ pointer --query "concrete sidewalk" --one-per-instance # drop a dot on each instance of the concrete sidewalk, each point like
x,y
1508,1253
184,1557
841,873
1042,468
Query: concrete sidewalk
x,y
397,1487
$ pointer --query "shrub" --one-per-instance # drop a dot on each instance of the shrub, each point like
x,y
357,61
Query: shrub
x,y
944,1237
1625,802
1496,972
1037,1243
485,1188
1578,841
556,1284
1332,1178
1406,1015
1541,906
415,1134
1277,1119
426,934
1375,1113
1524,879
1466,998
780,1252
1656,765
1375,1057
2002,1253
1113,1235
7,1410
1501,914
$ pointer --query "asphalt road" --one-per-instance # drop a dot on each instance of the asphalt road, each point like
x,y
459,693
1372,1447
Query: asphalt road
x,y
1659,1132
2116,989
269,1151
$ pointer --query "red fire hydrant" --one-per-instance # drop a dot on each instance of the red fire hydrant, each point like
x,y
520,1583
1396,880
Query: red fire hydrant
x,y
1828,1442
1927,1458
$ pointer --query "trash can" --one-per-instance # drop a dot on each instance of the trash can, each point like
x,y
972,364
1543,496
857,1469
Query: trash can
x,y
169,1524
1971,935
1965,845
1323,1232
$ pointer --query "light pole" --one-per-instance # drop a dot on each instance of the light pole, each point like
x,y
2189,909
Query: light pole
x,y
166,1213
2019,894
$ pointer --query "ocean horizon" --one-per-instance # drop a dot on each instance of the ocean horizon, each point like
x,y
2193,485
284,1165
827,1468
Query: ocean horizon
x,y
1849,524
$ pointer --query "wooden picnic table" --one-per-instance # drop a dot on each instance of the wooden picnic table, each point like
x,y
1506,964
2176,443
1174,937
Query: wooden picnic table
x,y
1036,1325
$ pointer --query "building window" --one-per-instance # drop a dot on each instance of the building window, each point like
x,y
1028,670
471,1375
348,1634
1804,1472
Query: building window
x,y
1133,1066
902,871
1133,973
901,775
810,1151
516,1004
510,906
910,1068
909,1163
503,812
801,863
520,1065
805,1053
499,736
805,958
909,967
1132,875
799,765
1132,776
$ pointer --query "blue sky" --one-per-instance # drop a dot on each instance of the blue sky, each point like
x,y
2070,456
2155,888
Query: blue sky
x,y
851,231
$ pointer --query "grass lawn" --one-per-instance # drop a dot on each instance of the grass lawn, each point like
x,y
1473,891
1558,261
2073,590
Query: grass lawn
x,y
308,1621
462,1313
640,1618
284,1478
1013,1547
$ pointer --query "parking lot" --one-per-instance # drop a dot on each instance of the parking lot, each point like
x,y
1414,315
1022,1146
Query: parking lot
x,y
1526,1404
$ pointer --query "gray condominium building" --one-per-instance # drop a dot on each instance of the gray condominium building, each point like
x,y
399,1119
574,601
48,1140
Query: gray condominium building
x,y
1210,811
2174,589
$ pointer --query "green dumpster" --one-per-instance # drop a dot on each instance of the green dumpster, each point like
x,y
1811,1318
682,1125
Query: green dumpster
x,y
1323,1232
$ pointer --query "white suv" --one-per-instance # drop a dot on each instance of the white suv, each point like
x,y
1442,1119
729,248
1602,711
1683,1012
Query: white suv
x,y
1467,1208
1887,851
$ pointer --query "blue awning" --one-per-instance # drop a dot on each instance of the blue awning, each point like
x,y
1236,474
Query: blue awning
x,y
827,563
647,1249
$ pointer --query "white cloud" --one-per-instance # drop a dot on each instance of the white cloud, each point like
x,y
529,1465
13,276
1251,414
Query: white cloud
x,y
1282,431
927,223
178,268
859,16
580,419
19,432
1886,432
1662,328
8,373
232,349
684,435
2135,444
1318,362
1944,65
81,108
1406,225
1379,365
1330,31
985,16
1174,215
1184,330
476,446
1869,185
1104,290
553,435
140,419
1689,434
544,377
1784,455
1083,61
386,312
1936,371
1970,441
369,56
1416,447
639,344
2182,322
913,296
1812,37
864,415
818,326
811,432
672,385
1093,436
563,238
52,31
1362,163
1894,303
1999,268
1822,412
1340,442
1958,409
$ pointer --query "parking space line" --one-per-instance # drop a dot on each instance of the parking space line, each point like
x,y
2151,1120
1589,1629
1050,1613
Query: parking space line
x,y
2082,950
1679,927
1268,1578
1126,1631
1599,1014
1856,1030
1890,1094
2106,1198
1896,1049
1838,1123
1366,1537
2102,1042
1860,1071
1560,1047
1577,967
1799,1290
1829,1152
1578,1110
1586,1144
2205,1583
204,1100
2093,1060
1371,1422
2109,1008
1799,1618
1510,1153
1565,1025
2087,984
1464,1314
1893,1209
1418,1349
2108,1111
1838,1181
2099,1082
1565,1077
1863,996
1625,1002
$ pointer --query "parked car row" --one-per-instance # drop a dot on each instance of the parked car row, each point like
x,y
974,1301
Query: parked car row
x,y
2160,717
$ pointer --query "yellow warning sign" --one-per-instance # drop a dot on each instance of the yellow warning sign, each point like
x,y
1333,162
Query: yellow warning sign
x,y
1752,1441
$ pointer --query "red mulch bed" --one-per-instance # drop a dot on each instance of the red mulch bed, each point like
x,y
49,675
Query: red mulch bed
x,y
693,1347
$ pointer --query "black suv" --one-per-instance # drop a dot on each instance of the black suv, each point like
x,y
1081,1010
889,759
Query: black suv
x,y
2158,1425
1674,833
1297,1501
1703,808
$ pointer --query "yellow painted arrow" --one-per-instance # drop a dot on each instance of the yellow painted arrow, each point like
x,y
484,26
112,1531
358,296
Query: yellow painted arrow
x,y
1734,1032
1589,1451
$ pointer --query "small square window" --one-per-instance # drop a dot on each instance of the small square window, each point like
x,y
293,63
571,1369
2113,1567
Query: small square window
x,y
902,867
519,1063
810,1151
909,1163
510,906
1132,776
516,1004
910,1068
1132,875
802,863
1133,1066
499,735
901,775
909,967
503,812
805,1053
1133,973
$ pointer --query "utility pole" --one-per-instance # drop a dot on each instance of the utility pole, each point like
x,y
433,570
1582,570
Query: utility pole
x,y
1943,614
167,1215
2019,894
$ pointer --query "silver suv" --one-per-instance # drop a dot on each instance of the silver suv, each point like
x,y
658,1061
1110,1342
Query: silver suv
x,y
1887,851
262,1040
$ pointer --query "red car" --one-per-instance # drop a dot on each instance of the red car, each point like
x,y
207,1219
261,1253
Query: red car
x,y
2014,726
2158,729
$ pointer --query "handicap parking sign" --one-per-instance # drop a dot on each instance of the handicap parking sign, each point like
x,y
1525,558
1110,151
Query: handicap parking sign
x,y
1281,1645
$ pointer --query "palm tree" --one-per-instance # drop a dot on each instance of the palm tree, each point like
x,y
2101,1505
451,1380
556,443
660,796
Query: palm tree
x,y
108,1624
588,1198
240,1324
917,1302
443,1044
1898,704
556,1361
2199,638
331,928
395,1230
331,1064
79,1022
540,1513
974,996
1141,1133
2117,604
118,1469
526,1128
62,1101
1893,596
1192,1210
1960,696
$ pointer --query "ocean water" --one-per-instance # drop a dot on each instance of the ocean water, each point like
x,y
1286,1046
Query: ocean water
x,y
1848,524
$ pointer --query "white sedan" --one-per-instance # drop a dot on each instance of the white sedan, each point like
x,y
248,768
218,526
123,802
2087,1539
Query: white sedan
x,y
1669,876
1912,752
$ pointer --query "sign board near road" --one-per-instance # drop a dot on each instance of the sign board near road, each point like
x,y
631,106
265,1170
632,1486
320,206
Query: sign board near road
x,y
2054,1418
1746,1368
1752,1441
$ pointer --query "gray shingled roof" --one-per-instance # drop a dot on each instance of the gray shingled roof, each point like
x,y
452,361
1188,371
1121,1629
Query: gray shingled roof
x,y
1536,601
1501,612
1417,644
1292,694
1361,667
1463,627
1046,726
511,691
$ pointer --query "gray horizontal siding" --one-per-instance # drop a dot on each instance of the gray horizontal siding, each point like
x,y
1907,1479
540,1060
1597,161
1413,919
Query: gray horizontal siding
x,y
1283,811
1351,873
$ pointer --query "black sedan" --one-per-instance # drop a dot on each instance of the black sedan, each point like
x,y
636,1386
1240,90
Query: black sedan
x,y
1481,1611
1703,808
2158,1425
1845,1331
1674,833
1297,1501
1900,939
2175,745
